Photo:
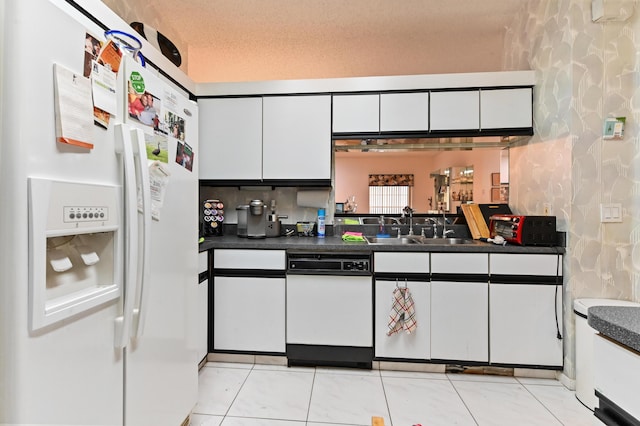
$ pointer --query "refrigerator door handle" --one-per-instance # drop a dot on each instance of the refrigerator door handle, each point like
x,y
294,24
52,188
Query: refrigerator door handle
x,y
124,148
144,244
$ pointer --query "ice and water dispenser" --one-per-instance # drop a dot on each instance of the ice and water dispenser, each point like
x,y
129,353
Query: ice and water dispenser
x,y
74,246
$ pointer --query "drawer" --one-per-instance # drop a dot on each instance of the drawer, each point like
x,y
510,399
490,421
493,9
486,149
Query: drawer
x,y
249,259
525,264
401,262
459,263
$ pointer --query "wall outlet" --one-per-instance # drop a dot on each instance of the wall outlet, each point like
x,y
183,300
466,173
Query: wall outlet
x,y
547,209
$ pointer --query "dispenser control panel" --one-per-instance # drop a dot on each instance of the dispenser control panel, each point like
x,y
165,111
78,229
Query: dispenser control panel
x,y
85,214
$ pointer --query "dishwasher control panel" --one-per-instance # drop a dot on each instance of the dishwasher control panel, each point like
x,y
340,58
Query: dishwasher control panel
x,y
328,263
356,265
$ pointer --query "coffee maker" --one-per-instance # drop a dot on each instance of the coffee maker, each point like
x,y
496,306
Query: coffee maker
x,y
252,219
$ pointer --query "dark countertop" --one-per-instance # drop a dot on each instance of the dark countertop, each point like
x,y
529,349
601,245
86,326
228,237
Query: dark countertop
x,y
335,243
620,323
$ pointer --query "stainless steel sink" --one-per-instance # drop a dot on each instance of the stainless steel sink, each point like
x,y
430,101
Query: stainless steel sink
x,y
446,241
391,241
376,221
416,239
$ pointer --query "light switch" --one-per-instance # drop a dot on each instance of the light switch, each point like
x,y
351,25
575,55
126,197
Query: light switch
x,y
611,212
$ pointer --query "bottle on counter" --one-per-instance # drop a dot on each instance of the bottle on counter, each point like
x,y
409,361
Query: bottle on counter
x,y
320,223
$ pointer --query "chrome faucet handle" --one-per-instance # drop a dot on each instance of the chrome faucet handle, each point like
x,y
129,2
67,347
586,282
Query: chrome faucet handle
x,y
447,232
397,228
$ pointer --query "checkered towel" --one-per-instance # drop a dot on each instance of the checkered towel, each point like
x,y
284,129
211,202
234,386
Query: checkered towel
x,y
402,315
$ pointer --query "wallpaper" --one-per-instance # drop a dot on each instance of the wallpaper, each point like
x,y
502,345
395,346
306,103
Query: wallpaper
x,y
585,72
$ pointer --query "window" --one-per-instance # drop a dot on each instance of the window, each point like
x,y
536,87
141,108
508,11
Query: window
x,y
388,199
389,194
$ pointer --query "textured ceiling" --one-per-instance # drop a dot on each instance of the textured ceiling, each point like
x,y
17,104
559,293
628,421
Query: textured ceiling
x,y
279,39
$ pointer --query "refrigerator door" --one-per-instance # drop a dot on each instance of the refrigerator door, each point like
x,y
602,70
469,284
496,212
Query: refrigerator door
x,y
69,372
161,361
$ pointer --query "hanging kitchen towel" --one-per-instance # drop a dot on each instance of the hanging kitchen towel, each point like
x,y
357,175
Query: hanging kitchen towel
x,y
402,315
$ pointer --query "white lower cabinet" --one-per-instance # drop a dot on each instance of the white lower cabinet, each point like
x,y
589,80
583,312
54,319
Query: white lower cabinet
x,y
617,375
525,320
203,319
416,345
459,321
248,306
249,314
202,329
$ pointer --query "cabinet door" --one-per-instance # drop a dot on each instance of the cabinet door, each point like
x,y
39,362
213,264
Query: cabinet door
x,y
297,137
249,314
402,345
356,113
455,110
523,328
230,138
506,108
616,371
459,321
404,112
203,319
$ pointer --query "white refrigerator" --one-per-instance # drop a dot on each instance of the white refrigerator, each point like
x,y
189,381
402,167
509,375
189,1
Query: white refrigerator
x,y
98,230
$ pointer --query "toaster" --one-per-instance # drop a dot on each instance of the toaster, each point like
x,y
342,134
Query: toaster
x,y
524,230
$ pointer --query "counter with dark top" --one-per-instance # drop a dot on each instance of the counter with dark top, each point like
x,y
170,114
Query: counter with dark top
x,y
620,323
335,243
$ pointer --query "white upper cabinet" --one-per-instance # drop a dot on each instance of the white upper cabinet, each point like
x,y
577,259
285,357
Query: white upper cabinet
x,y
297,137
455,110
404,112
231,138
506,108
356,113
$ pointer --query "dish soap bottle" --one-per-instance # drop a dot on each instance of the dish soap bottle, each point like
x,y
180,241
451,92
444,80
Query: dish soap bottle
x,y
320,223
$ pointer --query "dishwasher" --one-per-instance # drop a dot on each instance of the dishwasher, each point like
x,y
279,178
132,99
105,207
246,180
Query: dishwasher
x,y
329,300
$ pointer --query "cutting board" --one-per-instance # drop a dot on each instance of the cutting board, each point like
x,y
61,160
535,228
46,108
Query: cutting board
x,y
475,221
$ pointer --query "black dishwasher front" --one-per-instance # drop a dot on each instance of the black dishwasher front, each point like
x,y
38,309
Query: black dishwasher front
x,y
329,309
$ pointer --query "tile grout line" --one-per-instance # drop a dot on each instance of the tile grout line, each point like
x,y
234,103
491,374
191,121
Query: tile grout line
x,y
313,382
386,400
451,382
238,393
540,402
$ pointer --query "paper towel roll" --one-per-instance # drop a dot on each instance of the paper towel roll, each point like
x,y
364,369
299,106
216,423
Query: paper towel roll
x,y
318,198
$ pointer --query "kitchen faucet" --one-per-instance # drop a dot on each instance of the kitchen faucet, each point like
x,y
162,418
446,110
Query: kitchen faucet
x,y
445,232
408,210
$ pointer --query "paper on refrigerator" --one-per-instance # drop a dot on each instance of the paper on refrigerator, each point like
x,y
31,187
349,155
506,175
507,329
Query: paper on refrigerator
x,y
158,180
73,107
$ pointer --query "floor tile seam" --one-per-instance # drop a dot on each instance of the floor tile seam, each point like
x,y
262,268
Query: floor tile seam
x,y
451,382
263,418
238,392
313,382
386,400
543,405
227,365
522,380
435,379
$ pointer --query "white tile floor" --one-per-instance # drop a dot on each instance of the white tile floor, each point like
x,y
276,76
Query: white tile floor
x,y
262,395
